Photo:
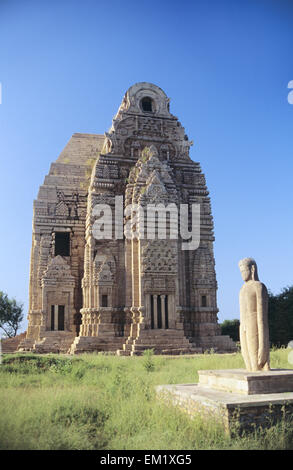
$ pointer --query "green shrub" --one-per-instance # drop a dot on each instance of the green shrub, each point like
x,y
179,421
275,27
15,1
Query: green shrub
x,y
148,362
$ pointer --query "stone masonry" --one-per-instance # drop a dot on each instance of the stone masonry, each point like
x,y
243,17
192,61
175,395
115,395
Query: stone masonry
x,y
119,294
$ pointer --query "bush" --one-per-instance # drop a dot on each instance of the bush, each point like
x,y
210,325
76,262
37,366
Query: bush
x,y
148,362
35,364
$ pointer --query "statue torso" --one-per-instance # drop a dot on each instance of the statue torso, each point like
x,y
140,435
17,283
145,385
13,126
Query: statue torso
x,y
248,298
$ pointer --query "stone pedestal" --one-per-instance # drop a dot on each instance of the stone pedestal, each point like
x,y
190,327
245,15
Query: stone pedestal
x,y
240,400
248,383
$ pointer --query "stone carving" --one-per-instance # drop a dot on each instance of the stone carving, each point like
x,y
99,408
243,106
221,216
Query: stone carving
x,y
103,268
254,330
159,257
58,271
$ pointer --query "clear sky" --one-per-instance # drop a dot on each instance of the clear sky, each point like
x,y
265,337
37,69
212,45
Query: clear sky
x,y
226,64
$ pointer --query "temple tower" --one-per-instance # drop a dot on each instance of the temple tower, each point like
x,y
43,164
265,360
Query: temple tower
x,y
130,286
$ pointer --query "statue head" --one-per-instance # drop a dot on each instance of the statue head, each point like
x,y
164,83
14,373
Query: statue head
x,y
248,269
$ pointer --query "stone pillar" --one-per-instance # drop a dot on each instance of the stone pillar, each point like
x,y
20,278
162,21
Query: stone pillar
x,y
155,311
89,296
85,322
171,311
55,317
69,314
45,315
95,296
87,303
148,310
162,297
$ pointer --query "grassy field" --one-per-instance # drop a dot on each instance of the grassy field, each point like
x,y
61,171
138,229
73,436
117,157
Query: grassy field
x,y
108,402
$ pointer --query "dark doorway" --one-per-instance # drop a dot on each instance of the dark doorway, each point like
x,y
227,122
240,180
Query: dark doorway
x,y
159,310
52,317
61,311
166,313
152,313
61,317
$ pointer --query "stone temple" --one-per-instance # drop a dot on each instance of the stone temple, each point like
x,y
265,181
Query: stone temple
x,y
122,294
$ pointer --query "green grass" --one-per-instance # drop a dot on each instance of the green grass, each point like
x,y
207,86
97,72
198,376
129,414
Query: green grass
x,y
108,402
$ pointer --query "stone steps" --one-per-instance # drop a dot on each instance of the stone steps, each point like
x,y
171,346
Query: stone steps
x,y
54,342
168,352
161,345
26,345
10,345
8,348
218,343
169,342
161,341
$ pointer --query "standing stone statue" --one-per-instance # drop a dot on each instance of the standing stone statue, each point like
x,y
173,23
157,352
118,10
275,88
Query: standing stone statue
x,y
254,329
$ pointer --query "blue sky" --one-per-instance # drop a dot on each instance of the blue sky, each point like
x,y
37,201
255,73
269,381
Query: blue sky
x,y
65,66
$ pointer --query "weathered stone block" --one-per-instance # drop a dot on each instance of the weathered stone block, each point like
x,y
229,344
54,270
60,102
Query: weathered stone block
x,y
235,411
248,383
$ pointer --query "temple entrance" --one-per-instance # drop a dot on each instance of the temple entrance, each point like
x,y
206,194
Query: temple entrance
x,y
57,317
159,312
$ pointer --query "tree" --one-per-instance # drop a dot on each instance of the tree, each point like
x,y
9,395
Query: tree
x,y
231,328
11,315
281,317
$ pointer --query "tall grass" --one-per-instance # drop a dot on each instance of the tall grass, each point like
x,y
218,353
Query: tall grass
x,y
105,402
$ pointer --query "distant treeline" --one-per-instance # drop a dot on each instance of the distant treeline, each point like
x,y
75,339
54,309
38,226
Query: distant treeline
x,y
280,319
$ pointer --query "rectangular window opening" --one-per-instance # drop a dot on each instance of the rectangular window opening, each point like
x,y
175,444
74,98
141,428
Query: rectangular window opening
x,y
104,301
62,243
203,300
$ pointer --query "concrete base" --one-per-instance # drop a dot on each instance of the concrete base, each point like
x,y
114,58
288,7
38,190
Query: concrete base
x,y
248,383
238,412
